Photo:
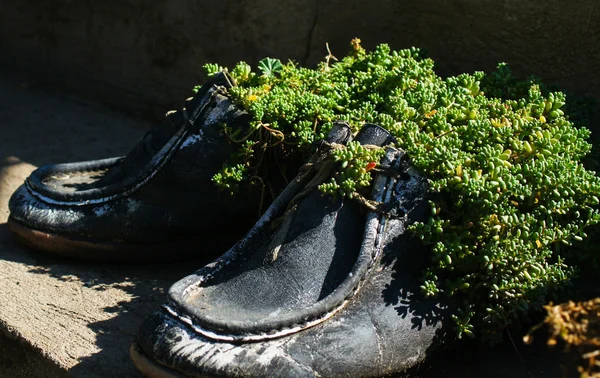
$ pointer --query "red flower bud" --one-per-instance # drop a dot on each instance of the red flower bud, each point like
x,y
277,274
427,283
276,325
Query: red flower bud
x,y
370,166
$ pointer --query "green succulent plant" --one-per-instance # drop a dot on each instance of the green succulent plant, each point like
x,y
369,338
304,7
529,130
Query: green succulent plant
x,y
509,192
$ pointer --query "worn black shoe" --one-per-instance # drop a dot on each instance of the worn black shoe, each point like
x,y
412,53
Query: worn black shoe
x,y
156,203
329,288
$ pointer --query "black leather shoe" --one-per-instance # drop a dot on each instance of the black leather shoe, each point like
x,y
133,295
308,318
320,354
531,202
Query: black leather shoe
x,y
326,289
156,203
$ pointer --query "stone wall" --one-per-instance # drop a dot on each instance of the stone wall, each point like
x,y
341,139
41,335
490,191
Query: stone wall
x,y
146,55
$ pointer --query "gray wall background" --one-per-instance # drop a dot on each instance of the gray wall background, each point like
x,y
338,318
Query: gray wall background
x,y
145,55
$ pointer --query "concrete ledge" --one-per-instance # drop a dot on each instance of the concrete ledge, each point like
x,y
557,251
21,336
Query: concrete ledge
x,y
20,360
63,317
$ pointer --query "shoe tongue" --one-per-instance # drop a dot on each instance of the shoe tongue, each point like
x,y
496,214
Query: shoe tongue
x,y
155,139
374,135
340,133
299,262
299,266
159,136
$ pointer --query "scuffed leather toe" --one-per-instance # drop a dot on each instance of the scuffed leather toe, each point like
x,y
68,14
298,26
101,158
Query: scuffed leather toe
x,y
124,219
182,351
360,341
28,210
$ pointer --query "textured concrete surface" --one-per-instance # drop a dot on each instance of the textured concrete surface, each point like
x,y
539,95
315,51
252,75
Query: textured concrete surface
x,y
153,51
61,318
20,360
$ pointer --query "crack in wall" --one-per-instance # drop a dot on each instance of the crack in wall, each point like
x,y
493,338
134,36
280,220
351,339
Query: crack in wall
x,y
311,31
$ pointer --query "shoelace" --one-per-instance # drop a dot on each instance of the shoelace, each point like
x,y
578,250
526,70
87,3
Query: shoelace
x,y
321,168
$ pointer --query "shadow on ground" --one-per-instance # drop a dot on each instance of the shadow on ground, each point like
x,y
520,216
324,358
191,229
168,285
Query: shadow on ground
x,y
19,360
99,306
143,288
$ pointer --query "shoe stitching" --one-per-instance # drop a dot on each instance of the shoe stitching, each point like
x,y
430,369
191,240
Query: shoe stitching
x,y
125,193
297,327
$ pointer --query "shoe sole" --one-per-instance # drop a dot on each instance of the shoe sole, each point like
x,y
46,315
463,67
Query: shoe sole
x,y
82,248
149,368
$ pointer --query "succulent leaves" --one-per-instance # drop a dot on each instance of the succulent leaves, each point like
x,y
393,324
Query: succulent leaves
x,y
504,159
